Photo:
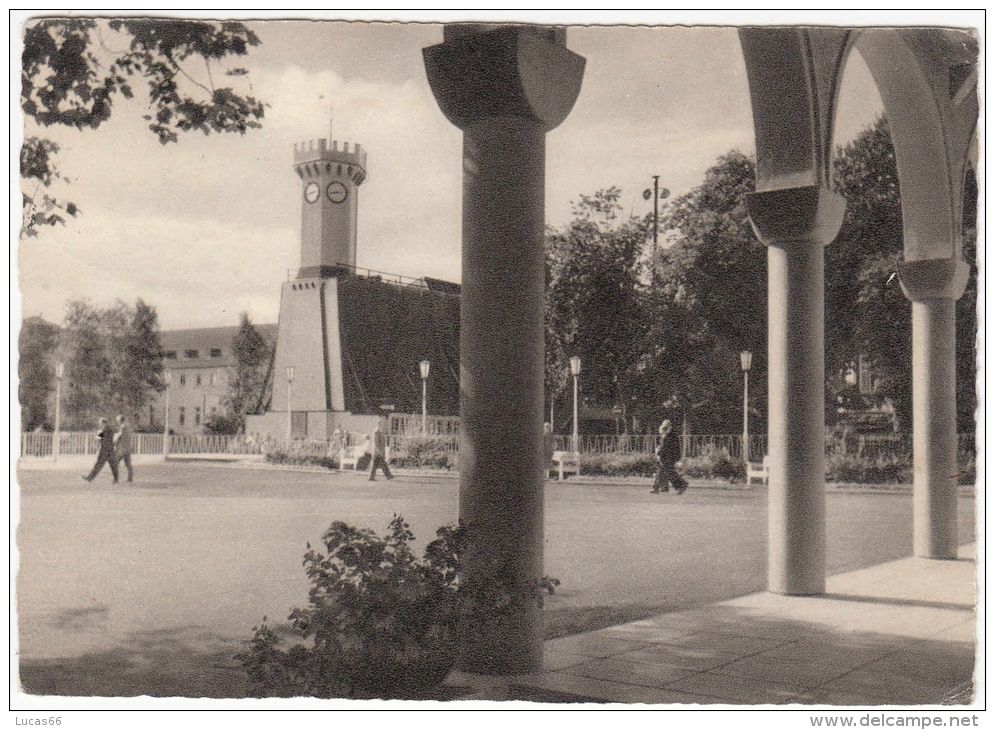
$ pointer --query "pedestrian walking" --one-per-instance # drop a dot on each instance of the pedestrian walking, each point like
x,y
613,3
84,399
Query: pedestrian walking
x,y
105,452
122,444
668,453
378,446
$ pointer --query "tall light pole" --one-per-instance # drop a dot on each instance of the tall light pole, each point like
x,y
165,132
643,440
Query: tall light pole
x,y
745,360
552,405
424,365
167,376
575,371
290,412
658,195
60,371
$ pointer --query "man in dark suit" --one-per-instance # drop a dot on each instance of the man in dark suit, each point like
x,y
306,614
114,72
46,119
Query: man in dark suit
x,y
668,453
105,452
378,447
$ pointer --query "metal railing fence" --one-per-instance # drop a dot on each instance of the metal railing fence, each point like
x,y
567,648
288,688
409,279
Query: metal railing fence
x,y
446,438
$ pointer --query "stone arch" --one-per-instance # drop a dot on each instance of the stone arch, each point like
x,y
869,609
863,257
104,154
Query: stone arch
x,y
927,82
794,79
485,81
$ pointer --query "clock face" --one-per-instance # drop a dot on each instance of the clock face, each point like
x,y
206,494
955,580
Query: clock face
x,y
336,192
311,192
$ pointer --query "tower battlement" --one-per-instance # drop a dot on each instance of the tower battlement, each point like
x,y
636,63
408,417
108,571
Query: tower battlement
x,y
318,150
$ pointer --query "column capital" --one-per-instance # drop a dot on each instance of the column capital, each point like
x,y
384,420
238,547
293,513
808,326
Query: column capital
x,y
792,215
483,71
933,278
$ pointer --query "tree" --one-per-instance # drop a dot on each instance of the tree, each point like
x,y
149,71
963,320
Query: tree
x,y
70,76
113,360
248,382
967,317
866,311
594,299
709,305
83,349
143,359
35,372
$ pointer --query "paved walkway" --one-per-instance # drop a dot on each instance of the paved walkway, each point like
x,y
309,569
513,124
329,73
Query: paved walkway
x,y
902,633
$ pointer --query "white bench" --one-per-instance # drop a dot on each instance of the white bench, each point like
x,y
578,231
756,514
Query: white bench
x,y
758,471
566,462
349,456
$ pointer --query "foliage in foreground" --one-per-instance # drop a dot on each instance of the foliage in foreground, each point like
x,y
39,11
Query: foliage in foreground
x,y
71,77
380,621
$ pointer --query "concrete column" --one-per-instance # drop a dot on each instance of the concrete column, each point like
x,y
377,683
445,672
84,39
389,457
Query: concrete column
x,y
796,224
934,286
505,87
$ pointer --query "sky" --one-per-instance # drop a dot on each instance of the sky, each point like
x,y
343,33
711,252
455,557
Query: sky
x,y
210,227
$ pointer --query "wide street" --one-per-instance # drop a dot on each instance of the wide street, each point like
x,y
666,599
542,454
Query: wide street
x,y
200,553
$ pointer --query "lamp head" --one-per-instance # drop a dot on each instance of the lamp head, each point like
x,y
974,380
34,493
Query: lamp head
x,y
575,365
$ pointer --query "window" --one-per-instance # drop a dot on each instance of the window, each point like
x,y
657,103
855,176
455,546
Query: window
x,y
183,380
170,354
196,416
198,378
192,354
212,378
215,352
214,411
183,415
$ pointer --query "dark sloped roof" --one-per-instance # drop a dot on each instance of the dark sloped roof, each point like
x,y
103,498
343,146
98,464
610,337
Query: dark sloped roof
x,y
203,341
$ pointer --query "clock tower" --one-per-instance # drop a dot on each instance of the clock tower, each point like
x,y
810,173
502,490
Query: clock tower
x,y
329,371
330,180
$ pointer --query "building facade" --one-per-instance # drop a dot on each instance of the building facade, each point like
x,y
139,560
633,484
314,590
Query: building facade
x,y
198,364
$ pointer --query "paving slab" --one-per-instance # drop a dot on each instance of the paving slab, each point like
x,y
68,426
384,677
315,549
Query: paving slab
x,y
902,633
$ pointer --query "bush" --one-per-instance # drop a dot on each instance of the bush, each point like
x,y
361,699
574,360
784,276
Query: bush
x,y
426,452
619,465
279,456
227,424
380,622
714,463
880,469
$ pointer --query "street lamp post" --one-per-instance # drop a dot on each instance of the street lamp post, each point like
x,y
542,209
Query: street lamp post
x,y
552,406
575,371
290,412
167,376
424,365
60,371
658,195
745,360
